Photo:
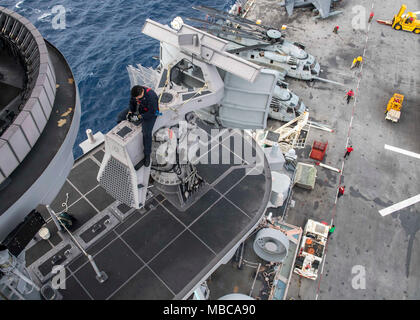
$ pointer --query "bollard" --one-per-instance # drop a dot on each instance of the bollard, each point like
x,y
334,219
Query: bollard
x,y
90,136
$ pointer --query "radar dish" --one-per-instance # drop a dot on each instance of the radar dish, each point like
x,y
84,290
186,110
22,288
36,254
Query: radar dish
x,y
271,245
274,34
177,23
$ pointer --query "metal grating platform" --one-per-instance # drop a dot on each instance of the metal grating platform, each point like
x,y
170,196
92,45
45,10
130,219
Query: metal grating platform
x,y
158,252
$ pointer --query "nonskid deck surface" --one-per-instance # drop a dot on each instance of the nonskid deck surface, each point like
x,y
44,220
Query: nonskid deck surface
x,y
156,253
383,250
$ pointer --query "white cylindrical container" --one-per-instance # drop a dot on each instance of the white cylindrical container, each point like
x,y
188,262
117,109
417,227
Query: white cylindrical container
x,y
44,233
90,136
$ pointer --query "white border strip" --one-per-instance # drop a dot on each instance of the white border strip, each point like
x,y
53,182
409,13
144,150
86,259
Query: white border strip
x,y
400,205
399,150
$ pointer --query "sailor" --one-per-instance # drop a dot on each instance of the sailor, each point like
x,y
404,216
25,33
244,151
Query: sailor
x,y
341,191
357,62
335,29
349,95
371,17
348,151
144,106
331,231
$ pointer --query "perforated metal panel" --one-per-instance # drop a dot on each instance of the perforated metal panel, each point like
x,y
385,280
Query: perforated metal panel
x,y
320,228
116,180
142,76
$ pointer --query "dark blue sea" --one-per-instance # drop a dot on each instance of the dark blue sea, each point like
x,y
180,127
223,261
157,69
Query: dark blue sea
x,y
99,40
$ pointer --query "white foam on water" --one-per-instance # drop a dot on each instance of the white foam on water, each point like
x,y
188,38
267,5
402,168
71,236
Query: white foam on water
x,y
43,16
18,4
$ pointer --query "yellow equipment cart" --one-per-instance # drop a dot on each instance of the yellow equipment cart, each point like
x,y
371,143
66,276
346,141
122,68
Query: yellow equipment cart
x,y
393,109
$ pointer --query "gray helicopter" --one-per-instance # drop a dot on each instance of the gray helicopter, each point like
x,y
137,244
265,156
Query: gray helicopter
x,y
284,105
260,44
267,47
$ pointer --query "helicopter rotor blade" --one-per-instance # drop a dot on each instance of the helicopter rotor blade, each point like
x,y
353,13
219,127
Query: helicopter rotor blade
x,y
246,48
218,33
256,32
226,15
227,28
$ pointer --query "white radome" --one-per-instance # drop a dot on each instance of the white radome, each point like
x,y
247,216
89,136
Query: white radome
x,y
177,23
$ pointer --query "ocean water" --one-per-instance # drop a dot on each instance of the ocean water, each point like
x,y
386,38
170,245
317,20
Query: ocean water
x,y
99,40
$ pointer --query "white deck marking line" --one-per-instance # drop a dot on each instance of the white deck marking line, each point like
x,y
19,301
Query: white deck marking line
x,y
400,205
145,265
80,284
336,192
406,152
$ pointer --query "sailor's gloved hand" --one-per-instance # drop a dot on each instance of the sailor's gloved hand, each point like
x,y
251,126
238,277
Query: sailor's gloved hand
x,y
134,117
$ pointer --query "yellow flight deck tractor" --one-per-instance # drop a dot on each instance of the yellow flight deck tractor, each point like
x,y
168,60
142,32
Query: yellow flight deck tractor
x,y
393,109
406,22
